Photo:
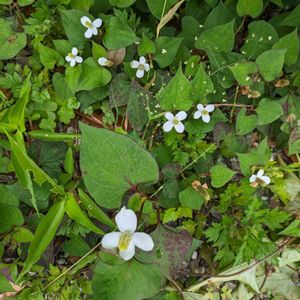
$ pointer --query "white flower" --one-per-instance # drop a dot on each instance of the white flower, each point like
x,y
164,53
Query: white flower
x,y
92,27
174,121
73,58
127,239
141,66
102,61
203,112
259,178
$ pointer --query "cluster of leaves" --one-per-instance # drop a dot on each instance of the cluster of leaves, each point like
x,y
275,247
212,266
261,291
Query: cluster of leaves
x,y
63,179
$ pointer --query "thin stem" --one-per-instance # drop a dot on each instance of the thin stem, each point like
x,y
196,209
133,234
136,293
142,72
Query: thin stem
x,y
234,102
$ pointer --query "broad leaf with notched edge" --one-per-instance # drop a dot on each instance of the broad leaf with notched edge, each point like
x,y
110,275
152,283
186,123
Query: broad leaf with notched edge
x,y
170,250
111,164
119,280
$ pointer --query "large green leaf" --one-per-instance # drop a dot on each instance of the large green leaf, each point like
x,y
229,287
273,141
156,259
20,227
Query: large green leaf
x,y
220,175
11,42
217,39
121,3
293,19
245,123
118,34
112,163
242,70
252,8
160,8
268,111
290,42
118,280
44,234
270,64
294,141
73,28
177,95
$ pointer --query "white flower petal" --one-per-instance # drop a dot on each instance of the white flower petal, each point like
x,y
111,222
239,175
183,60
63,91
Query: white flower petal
x,y
88,34
97,23
181,115
111,240
210,107
134,64
143,241
74,51
253,178
140,73
142,60
168,126
126,220
197,114
94,30
78,59
260,173
129,252
179,127
146,67
266,179
206,118
72,63
85,19
102,61
200,107
169,116
68,58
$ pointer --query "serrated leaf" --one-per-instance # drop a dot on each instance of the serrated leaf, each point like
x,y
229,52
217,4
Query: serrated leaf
x,y
293,229
112,163
177,94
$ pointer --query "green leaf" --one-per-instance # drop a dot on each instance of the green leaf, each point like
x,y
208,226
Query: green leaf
x,y
92,76
261,37
121,3
202,84
138,102
220,175
82,5
217,39
293,19
11,42
119,90
94,210
76,246
258,156
290,42
292,230
170,250
118,34
160,8
73,28
98,51
22,235
166,50
74,211
294,141
270,64
242,70
112,163
49,57
268,111
146,46
5,285
10,215
252,8
191,198
245,123
44,234
177,94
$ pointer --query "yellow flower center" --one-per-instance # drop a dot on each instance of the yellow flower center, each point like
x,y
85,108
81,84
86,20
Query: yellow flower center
x,y
141,67
88,24
205,112
71,55
175,121
124,240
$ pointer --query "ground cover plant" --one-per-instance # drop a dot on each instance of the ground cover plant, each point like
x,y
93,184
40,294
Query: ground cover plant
x,y
149,149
